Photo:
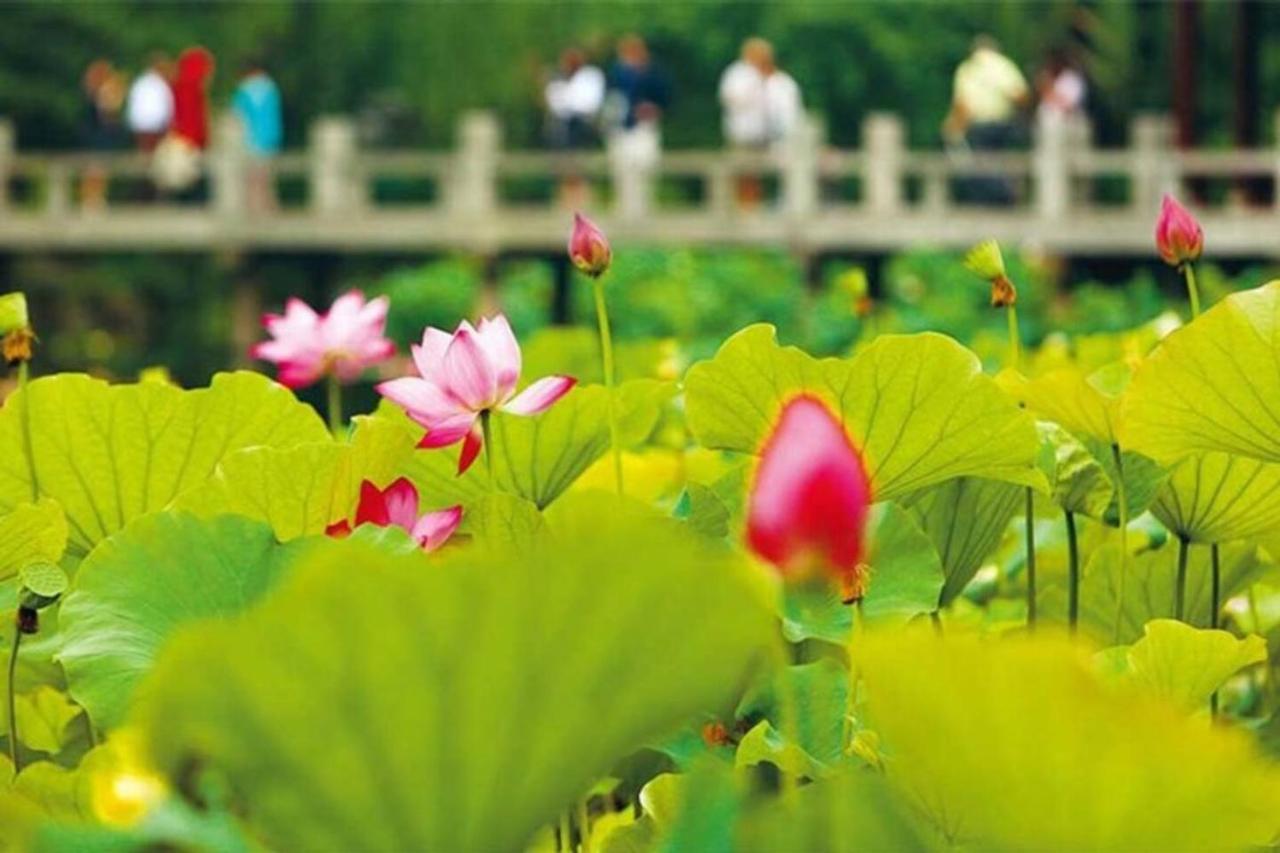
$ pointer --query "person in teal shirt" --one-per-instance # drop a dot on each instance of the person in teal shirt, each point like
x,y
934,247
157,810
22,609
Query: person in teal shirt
x,y
256,104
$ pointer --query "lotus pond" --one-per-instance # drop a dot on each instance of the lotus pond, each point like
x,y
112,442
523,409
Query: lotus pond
x,y
888,600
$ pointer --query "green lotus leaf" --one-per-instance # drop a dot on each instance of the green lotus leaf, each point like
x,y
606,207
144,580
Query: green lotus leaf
x,y
704,511
765,744
1148,584
47,580
109,453
1151,778
1185,664
1213,385
1217,497
43,717
32,532
139,586
918,406
558,660
1081,483
1084,405
906,581
809,706
538,458
1142,477
965,519
504,520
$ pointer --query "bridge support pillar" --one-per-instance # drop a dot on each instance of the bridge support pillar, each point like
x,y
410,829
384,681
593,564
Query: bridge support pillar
x,y
473,188
334,182
227,168
882,140
800,181
1051,167
1153,173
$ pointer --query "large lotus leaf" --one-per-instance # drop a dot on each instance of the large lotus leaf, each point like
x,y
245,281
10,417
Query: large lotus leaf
x,y
504,520
1142,479
1018,744
1217,497
300,490
808,706
161,572
965,519
1081,483
1185,664
1213,385
1148,583
33,532
109,453
538,458
43,717
918,406
1084,405
378,702
906,580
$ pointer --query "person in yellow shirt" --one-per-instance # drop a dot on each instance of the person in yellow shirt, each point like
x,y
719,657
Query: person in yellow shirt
x,y
988,97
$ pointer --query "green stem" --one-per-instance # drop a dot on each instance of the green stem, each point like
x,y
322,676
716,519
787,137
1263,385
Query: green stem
x,y
606,354
1193,290
1015,341
486,429
1215,591
1031,558
335,406
1073,573
584,825
1180,588
23,376
12,698
1123,499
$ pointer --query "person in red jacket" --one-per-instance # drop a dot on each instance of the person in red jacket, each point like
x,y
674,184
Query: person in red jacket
x,y
191,96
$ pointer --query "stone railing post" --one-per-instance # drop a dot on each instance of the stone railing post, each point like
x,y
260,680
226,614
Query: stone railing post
x,y
633,161
882,142
227,167
800,182
473,187
8,150
1275,193
1051,167
334,179
1153,172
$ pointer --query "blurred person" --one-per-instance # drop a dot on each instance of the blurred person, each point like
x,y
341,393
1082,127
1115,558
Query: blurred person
x,y
256,103
784,106
640,94
1061,88
150,106
191,96
744,99
102,128
574,99
987,96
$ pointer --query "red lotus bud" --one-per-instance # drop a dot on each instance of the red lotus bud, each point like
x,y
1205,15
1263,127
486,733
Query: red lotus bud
x,y
810,498
588,247
1179,236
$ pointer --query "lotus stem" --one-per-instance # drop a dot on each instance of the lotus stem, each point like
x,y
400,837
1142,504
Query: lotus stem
x,y
1180,586
1123,499
606,355
1015,340
23,376
566,832
1215,590
1031,558
1193,290
335,406
486,429
1073,573
584,822
12,698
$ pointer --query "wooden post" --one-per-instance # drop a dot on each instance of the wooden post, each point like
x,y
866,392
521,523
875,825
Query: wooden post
x,y
1051,167
334,181
227,167
473,187
8,150
800,168
1153,171
882,139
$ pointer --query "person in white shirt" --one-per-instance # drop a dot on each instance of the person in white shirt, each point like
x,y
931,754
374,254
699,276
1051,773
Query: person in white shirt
x,y
575,97
743,95
1061,88
149,108
784,107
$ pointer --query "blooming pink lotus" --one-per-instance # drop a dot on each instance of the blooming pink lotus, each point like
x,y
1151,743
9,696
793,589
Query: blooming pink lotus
x,y
473,371
588,247
397,505
1179,237
343,342
809,502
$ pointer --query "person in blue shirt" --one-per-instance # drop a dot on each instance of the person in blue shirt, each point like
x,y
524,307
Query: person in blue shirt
x,y
256,103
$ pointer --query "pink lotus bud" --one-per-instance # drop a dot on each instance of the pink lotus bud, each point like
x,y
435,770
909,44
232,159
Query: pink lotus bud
x,y
588,247
809,502
1179,236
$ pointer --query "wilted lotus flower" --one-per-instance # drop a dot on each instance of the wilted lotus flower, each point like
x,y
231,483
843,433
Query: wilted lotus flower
x,y
810,498
397,505
16,335
1179,237
472,371
343,342
588,247
985,261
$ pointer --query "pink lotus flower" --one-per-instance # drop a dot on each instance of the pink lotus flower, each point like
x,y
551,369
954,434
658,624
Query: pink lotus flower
x,y
809,502
397,505
343,342
588,247
472,371
1179,237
